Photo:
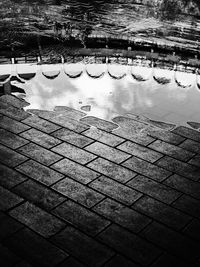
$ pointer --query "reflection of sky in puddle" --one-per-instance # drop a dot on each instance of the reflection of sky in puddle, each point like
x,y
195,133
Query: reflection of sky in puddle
x,y
109,97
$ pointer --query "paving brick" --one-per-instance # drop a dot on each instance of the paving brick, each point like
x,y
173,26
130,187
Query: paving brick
x,y
184,185
2,214
167,136
167,260
77,154
35,249
70,123
8,199
23,264
146,168
172,241
71,262
41,124
37,219
72,137
12,125
191,145
158,124
78,192
195,161
13,112
179,167
189,205
187,133
193,229
46,114
82,218
161,212
8,226
75,171
104,137
115,190
127,122
122,215
154,189
70,112
39,194
7,258
119,261
14,101
133,130
10,157
194,125
40,138
171,150
107,152
99,123
162,125
129,244
60,119
140,138
39,172
83,247
39,153
10,177
140,151
112,170
11,140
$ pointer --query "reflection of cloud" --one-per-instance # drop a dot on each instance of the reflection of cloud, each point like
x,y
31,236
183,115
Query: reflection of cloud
x,y
178,94
97,90
134,94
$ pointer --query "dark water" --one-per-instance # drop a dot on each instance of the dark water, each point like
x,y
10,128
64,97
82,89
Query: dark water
x,y
53,26
172,22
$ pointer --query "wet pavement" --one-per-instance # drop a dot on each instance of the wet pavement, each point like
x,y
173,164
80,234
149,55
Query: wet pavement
x,y
82,191
100,164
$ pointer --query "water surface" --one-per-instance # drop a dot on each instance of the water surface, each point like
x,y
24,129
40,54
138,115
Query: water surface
x,y
175,101
173,22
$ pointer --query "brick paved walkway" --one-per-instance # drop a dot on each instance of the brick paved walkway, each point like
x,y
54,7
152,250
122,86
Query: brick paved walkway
x,y
78,191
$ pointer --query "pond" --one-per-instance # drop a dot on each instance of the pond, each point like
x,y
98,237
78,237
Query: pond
x,y
155,30
26,23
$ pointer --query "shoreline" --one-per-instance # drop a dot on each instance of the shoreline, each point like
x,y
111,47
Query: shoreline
x,y
105,47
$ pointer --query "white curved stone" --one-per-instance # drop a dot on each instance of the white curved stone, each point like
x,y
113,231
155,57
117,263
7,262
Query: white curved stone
x,y
50,71
96,70
163,76
141,73
5,73
184,79
74,70
117,71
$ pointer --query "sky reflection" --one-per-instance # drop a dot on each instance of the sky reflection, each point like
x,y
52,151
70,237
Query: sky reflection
x,y
108,97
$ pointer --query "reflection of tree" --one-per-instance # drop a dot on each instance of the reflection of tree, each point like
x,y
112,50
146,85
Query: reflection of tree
x,y
87,8
59,20
84,32
169,9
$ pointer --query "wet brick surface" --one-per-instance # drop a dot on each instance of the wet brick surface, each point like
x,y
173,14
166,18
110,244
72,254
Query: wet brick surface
x,y
116,194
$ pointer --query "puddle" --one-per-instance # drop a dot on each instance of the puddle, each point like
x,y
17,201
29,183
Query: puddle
x,y
106,91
